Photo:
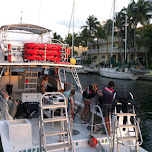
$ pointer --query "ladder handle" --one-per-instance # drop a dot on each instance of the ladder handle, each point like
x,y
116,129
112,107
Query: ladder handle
x,y
96,106
140,143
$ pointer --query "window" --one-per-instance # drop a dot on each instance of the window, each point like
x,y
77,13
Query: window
x,y
103,57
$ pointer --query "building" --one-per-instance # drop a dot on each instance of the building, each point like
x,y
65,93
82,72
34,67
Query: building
x,y
103,54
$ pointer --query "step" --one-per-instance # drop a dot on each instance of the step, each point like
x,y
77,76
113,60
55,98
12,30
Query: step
x,y
30,88
54,119
57,147
127,138
53,106
31,83
127,126
125,114
54,133
34,77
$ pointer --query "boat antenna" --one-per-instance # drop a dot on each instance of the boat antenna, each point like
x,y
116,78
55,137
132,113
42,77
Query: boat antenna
x,y
21,17
112,30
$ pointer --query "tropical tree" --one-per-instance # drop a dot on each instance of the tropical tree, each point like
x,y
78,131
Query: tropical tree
x,y
99,34
91,26
120,23
144,39
139,12
57,37
108,31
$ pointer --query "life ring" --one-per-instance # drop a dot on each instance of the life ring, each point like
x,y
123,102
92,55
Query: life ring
x,y
67,63
33,51
53,47
34,57
52,58
39,46
53,53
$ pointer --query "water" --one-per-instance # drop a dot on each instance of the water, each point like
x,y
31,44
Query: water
x,y
142,91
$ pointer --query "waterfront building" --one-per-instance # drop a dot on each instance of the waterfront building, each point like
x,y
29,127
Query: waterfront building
x,y
102,52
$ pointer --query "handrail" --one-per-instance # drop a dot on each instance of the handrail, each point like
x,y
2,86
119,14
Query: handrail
x,y
140,143
100,111
129,145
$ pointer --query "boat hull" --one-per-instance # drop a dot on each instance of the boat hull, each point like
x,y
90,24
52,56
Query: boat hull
x,y
112,73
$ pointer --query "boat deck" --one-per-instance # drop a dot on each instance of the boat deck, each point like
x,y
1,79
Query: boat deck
x,y
81,140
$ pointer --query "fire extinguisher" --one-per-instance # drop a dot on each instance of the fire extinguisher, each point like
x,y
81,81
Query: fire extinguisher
x,y
9,52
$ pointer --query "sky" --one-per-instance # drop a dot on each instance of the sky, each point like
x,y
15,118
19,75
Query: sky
x,y
55,14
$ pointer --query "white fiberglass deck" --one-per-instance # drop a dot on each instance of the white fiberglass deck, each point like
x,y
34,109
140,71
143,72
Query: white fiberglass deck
x,y
81,141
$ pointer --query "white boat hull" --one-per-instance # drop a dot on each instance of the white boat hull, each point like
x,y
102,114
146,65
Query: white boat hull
x,y
89,70
112,73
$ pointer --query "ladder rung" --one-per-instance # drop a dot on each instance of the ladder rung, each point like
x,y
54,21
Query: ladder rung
x,y
31,72
55,119
32,77
127,138
58,146
30,88
53,133
53,106
30,83
127,126
125,114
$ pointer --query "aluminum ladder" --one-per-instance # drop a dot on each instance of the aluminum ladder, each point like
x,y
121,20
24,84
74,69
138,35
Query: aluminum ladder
x,y
31,77
94,111
76,78
65,142
126,134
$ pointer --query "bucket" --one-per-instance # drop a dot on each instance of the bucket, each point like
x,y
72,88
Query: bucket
x,y
9,88
73,61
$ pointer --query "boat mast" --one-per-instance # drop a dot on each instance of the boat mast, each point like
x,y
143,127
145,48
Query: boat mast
x,y
112,30
126,37
73,31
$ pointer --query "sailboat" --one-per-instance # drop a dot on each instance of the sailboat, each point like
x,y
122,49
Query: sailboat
x,y
121,72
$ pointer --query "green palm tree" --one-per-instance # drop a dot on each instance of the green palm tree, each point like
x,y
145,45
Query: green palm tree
x,y
91,25
120,25
108,32
57,37
139,12
99,34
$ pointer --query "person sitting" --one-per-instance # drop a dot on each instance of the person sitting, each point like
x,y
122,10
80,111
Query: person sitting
x,y
107,100
90,92
44,84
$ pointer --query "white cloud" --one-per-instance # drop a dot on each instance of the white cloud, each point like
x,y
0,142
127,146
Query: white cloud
x,y
55,14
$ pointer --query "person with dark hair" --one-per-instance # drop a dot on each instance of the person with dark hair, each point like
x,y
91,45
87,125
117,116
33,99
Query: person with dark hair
x,y
107,100
46,86
90,92
44,83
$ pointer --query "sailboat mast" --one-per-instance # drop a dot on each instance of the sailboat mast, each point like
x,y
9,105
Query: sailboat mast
x,y
126,37
113,28
73,31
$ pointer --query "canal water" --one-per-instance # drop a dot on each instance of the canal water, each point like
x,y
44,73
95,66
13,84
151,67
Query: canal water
x,y
142,92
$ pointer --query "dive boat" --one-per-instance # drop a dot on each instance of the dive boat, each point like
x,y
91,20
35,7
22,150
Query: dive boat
x,y
34,122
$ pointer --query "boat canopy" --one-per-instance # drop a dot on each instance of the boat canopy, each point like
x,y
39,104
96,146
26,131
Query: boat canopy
x,y
26,27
